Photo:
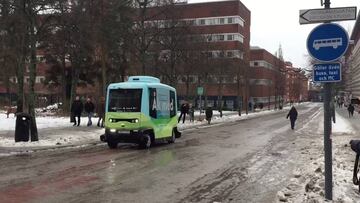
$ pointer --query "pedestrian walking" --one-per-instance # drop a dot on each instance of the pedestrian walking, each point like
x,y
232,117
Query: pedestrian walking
x,y
208,114
89,109
76,110
101,112
191,113
351,109
293,116
184,109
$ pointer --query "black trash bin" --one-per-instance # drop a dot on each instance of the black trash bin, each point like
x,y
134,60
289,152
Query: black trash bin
x,y
22,127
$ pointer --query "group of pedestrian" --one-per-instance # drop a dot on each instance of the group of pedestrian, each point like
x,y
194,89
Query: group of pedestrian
x,y
189,109
77,108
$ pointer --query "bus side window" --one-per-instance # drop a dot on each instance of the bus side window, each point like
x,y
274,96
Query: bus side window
x,y
152,103
172,104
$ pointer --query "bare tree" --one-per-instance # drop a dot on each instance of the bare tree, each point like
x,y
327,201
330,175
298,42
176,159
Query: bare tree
x,y
146,29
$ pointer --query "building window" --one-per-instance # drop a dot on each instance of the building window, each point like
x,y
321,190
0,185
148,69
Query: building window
x,y
230,37
221,54
222,21
209,54
256,63
230,20
202,22
229,54
221,37
14,80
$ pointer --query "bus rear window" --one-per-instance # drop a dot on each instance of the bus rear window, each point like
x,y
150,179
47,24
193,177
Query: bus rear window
x,y
125,100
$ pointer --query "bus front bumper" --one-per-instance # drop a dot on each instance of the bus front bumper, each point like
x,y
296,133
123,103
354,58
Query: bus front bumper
x,y
128,136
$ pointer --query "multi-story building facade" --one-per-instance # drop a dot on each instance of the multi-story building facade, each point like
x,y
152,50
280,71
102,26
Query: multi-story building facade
x,y
224,29
296,84
351,70
266,79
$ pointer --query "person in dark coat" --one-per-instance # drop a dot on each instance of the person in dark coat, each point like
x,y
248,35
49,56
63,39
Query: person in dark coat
x,y
184,109
208,114
191,113
101,112
293,116
351,109
89,109
76,110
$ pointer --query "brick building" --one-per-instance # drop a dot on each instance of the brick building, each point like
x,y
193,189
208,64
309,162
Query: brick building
x,y
266,79
296,85
225,28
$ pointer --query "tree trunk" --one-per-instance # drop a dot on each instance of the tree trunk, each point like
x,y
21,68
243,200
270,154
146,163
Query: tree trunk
x,y
64,84
20,79
74,81
187,86
32,39
103,70
220,95
238,96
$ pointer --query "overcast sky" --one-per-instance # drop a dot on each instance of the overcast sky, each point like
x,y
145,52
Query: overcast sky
x,y
275,22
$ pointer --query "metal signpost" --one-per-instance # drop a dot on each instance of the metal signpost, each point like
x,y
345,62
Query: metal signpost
x,y
327,43
332,14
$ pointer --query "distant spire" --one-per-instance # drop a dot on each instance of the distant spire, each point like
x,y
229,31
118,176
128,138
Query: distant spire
x,y
280,53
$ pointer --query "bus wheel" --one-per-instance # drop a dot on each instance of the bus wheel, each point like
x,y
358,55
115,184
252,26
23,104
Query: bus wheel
x,y
145,142
172,138
112,144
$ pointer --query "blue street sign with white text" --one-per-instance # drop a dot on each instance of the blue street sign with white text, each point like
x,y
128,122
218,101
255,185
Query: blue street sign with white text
x,y
327,42
327,72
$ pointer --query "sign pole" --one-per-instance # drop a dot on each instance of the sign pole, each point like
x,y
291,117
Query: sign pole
x,y
327,134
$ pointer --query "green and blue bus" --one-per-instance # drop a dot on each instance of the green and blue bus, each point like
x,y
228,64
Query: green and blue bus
x,y
141,110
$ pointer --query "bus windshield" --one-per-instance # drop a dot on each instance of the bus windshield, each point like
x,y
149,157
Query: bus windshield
x,y
125,100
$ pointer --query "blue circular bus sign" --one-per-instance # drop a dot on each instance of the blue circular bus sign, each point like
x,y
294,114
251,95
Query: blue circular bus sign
x,y
327,42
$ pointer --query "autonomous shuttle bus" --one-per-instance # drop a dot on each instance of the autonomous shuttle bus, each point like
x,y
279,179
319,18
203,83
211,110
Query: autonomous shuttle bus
x,y
141,110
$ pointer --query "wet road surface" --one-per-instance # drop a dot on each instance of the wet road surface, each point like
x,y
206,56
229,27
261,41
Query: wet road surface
x,y
242,161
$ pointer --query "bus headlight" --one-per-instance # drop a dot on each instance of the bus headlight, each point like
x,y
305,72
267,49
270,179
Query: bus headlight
x,y
112,130
110,120
136,120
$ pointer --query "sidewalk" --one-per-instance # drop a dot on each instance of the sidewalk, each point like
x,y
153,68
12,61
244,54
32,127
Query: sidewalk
x,y
355,120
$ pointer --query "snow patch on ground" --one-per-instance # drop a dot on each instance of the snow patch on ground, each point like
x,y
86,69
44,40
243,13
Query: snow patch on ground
x,y
342,126
307,184
8,124
80,137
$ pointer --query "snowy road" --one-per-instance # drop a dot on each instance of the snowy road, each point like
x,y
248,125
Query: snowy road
x,y
241,161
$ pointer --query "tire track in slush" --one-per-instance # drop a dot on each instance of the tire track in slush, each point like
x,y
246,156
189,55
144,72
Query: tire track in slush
x,y
258,176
